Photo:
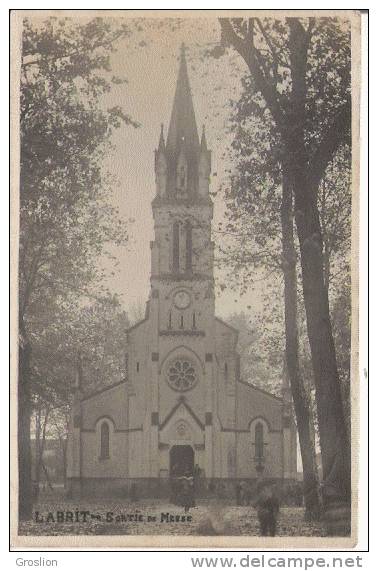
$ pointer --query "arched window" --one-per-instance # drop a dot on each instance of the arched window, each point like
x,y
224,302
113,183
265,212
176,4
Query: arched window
x,y
176,246
188,245
104,441
259,440
182,178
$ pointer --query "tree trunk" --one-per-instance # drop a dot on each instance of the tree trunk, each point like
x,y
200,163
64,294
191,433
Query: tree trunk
x,y
37,454
291,121
40,441
45,471
300,397
334,441
64,459
25,491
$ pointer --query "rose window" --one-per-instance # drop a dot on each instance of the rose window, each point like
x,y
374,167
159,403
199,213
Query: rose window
x,y
181,375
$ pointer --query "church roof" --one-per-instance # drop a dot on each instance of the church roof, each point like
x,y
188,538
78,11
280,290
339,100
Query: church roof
x,y
183,128
103,389
264,392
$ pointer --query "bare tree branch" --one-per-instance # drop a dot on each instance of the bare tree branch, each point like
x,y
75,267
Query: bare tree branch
x,y
251,57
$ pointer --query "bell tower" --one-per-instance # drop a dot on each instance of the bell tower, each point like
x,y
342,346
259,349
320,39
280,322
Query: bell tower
x,y
182,207
181,307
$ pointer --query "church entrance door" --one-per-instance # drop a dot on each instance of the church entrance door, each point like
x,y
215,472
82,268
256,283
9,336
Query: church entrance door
x,y
181,460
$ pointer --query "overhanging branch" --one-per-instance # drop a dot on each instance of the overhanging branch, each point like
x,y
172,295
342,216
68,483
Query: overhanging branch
x,y
330,142
254,60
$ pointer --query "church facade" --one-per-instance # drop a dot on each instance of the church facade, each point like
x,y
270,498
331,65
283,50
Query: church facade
x,y
182,405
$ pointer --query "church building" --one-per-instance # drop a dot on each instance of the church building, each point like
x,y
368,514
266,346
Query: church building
x,y
182,405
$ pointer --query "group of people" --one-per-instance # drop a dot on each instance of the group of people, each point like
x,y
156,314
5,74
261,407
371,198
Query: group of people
x,y
265,500
184,492
184,487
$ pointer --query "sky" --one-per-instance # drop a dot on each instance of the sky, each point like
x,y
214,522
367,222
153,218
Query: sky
x,y
149,60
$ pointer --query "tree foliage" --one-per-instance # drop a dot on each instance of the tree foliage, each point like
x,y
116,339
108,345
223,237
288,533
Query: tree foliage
x,y
260,349
300,88
66,219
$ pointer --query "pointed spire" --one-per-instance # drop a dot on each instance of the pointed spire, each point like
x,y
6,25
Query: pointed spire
x,y
161,146
182,51
182,127
203,139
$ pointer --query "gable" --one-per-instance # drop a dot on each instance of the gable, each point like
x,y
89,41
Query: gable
x,y
183,409
110,403
182,426
253,403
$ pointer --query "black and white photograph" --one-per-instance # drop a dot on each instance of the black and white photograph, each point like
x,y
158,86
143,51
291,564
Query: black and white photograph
x,y
185,305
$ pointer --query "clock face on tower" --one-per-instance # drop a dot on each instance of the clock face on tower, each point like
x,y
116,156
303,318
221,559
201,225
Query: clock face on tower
x,y
181,299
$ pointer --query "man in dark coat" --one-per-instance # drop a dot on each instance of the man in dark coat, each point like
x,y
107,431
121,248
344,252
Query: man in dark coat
x,y
187,492
267,511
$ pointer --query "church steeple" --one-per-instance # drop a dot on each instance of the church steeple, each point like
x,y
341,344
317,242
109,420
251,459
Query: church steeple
x,y
203,139
161,146
182,148
182,207
182,127
161,166
182,162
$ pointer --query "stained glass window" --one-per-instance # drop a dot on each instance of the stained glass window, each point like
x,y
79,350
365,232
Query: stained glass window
x,y
181,375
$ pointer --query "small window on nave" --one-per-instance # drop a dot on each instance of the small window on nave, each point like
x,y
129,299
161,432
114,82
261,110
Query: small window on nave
x,y
259,440
104,440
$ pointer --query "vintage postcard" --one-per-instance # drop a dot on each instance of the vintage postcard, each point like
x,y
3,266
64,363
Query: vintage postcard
x,y
185,284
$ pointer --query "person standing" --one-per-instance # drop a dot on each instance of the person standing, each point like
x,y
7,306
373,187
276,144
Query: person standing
x,y
187,493
267,511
